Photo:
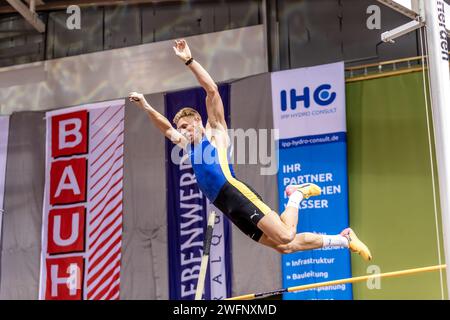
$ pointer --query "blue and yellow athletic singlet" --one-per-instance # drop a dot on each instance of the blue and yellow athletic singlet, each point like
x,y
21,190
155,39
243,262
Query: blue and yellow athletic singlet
x,y
210,170
216,179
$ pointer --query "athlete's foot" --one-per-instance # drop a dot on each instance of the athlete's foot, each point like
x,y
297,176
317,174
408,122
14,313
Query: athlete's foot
x,y
356,245
307,189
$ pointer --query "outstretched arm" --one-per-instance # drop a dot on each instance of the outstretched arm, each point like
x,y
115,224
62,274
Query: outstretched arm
x,y
214,105
161,122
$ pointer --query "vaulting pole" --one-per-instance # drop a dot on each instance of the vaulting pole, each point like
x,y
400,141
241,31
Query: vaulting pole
x,y
341,281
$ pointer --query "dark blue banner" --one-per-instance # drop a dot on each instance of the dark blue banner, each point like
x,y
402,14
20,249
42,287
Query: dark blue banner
x,y
187,214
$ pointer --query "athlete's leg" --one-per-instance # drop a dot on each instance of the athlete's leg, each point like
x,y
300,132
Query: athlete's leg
x,y
302,241
296,194
282,229
308,241
274,228
290,214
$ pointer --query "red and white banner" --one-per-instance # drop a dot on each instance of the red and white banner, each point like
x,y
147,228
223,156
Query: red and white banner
x,y
82,212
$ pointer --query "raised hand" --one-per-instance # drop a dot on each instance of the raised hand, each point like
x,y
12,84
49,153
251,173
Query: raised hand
x,y
137,98
182,50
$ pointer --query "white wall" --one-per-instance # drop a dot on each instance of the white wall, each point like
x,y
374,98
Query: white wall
x,y
148,68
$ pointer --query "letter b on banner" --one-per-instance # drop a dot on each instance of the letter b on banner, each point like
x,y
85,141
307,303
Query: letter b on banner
x,y
70,134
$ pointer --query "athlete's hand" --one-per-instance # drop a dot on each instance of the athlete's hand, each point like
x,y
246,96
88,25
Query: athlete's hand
x,y
137,98
182,50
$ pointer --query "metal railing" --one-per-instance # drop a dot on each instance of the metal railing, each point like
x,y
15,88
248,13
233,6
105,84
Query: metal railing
x,y
384,69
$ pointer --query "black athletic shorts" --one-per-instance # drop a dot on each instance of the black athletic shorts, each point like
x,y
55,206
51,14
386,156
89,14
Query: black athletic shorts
x,y
243,206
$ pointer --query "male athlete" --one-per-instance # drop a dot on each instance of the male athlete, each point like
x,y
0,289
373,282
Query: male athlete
x,y
216,179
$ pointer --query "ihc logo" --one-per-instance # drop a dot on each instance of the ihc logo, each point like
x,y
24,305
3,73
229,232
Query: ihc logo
x,y
322,96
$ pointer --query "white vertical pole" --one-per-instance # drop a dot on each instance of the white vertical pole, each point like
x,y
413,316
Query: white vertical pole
x,y
438,61
4,128
447,17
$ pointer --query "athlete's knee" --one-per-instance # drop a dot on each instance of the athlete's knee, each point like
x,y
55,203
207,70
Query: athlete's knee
x,y
287,236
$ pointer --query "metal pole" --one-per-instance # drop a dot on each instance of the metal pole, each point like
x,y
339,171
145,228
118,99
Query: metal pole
x,y
440,96
393,274
272,36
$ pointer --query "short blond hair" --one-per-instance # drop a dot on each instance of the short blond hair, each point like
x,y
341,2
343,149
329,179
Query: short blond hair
x,y
186,112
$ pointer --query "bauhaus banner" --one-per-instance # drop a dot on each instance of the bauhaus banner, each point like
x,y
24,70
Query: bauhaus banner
x,y
82,209
309,112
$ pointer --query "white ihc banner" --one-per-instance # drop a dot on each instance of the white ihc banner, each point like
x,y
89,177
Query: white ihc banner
x,y
83,203
315,99
4,129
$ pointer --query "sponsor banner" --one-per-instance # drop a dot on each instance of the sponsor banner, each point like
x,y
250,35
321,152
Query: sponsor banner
x,y
4,129
309,112
187,215
82,211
